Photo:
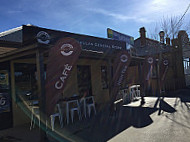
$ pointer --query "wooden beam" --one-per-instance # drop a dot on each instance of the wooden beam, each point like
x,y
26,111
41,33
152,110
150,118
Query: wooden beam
x,y
9,44
24,51
17,55
29,61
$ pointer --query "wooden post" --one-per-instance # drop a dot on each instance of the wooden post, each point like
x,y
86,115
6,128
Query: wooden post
x,y
12,80
159,76
110,76
141,83
41,93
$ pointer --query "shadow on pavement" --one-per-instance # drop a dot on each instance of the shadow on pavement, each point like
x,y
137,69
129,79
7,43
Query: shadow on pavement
x,y
184,96
103,127
164,106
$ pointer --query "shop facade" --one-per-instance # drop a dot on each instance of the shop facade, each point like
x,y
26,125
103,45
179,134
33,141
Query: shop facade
x,y
92,71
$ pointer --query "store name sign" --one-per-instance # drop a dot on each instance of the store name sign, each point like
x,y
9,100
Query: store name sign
x,y
100,45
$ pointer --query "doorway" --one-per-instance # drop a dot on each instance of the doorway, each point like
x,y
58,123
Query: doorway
x,y
84,80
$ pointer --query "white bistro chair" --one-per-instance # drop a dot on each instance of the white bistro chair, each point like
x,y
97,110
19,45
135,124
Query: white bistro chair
x,y
134,92
35,114
90,104
73,107
59,115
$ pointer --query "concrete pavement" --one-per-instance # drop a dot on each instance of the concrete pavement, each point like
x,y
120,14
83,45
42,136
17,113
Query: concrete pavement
x,y
158,120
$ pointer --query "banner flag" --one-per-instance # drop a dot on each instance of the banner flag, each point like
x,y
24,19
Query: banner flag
x,y
148,67
62,58
163,70
120,67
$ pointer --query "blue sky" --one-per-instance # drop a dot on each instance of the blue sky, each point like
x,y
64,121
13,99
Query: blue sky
x,y
90,17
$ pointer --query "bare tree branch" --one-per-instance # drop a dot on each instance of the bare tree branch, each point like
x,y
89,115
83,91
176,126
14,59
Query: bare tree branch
x,y
170,25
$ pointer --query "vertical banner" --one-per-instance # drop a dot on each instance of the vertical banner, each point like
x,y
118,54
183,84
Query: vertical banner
x,y
62,58
148,67
120,67
148,70
163,70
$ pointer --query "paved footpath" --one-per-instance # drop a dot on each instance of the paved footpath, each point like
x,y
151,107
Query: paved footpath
x,y
158,120
170,124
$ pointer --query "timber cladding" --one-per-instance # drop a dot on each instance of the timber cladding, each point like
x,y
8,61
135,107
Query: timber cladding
x,y
6,49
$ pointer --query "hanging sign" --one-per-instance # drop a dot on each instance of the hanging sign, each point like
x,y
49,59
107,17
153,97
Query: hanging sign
x,y
120,67
62,58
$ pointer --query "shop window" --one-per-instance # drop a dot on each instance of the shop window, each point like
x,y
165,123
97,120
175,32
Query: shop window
x,y
104,78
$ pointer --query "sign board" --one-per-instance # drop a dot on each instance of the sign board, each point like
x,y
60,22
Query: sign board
x,y
121,37
33,34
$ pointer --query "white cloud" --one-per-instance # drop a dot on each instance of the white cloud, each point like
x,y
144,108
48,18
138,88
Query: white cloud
x,y
156,9
120,16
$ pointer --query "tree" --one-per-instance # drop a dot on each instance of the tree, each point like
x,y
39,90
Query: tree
x,y
170,25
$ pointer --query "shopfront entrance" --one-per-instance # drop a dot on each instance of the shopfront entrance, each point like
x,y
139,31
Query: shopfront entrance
x,y
84,80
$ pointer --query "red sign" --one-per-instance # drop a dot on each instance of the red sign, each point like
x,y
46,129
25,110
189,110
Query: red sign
x,y
120,67
62,58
